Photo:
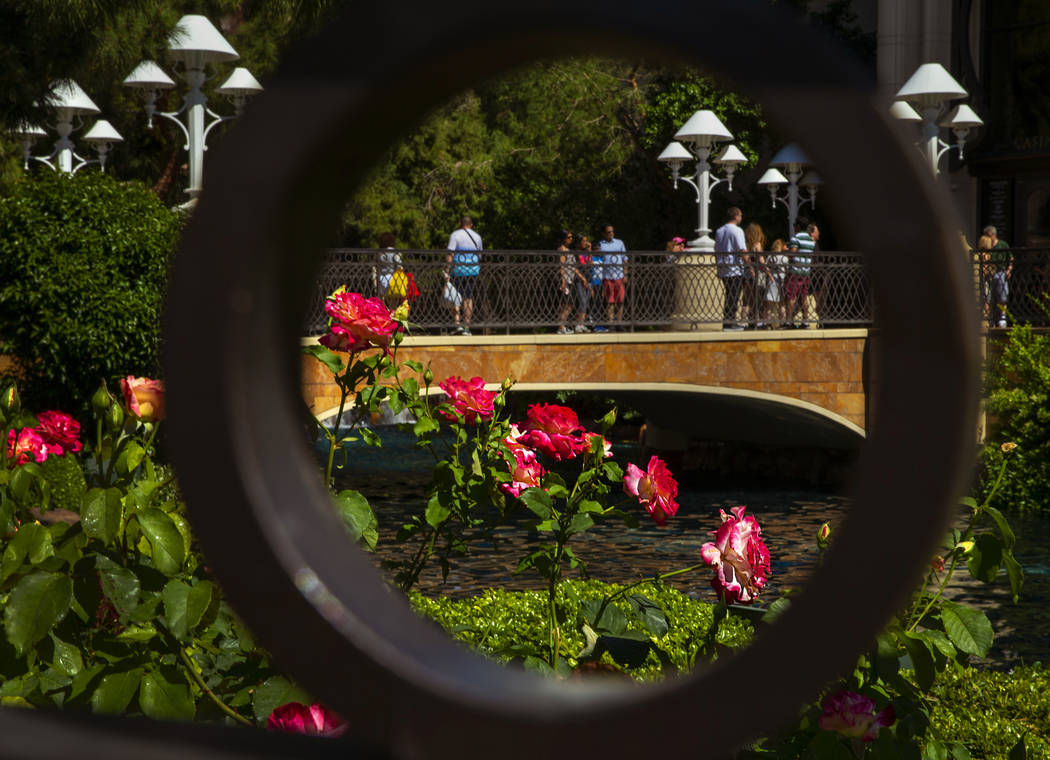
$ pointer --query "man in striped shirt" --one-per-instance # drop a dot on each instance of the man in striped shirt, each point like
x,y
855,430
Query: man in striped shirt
x,y
801,247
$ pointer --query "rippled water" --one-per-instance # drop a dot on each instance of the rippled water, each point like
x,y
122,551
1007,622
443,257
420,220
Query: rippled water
x,y
394,479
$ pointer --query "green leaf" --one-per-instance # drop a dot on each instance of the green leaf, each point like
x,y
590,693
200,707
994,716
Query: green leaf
x,y
589,506
538,502
130,458
163,699
413,365
608,420
1004,527
116,690
967,628
940,642
775,609
425,425
23,479
968,501
32,541
580,523
274,692
921,660
137,634
164,539
358,518
35,605
613,472
411,388
935,750
985,558
325,356
630,650
437,512
1016,575
370,437
120,585
101,514
649,614
184,606
613,620
66,659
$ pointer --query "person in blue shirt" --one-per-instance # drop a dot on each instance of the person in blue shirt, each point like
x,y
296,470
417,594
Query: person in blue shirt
x,y
614,273
464,266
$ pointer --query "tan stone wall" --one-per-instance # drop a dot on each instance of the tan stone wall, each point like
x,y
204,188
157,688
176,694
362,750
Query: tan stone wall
x,y
821,367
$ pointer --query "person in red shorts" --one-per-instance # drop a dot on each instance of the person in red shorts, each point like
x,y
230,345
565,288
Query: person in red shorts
x,y
614,275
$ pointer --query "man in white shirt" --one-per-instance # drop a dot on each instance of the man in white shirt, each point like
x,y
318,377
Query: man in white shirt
x,y
614,275
729,244
463,265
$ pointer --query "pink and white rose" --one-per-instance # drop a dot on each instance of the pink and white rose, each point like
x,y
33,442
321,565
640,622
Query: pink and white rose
x,y
739,556
588,439
654,488
553,430
144,397
315,720
853,715
358,323
525,471
469,398
28,445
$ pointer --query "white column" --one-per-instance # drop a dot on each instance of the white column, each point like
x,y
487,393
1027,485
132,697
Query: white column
x,y
195,112
703,242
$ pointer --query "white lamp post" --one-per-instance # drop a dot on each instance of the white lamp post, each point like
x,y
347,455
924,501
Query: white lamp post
x,y
793,161
702,132
930,90
69,103
195,42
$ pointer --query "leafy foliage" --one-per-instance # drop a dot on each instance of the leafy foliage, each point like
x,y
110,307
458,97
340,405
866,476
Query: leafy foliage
x,y
83,271
511,625
1018,395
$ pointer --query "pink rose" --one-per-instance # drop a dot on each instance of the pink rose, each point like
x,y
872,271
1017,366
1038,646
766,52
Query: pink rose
x,y
740,558
358,323
513,442
469,398
28,444
299,719
853,715
552,430
144,397
654,488
59,431
606,446
526,472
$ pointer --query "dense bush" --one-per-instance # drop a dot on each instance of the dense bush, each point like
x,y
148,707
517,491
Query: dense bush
x,y
1019,397
508,624
83,269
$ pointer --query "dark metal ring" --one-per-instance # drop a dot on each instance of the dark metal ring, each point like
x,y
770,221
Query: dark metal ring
x,y
274,193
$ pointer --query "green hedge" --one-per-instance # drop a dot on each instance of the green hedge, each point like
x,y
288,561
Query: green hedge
x,y
83,271
502,624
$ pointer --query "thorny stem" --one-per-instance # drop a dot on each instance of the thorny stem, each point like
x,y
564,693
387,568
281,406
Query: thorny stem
x,y
188,665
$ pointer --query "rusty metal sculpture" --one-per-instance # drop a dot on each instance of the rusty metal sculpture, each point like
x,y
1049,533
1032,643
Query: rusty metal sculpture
x,y
264,518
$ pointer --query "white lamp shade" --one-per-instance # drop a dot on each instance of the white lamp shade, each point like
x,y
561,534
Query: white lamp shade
x,y
675,152
962,117
703,126
102,132
930,85
25,129
149,76
789,154
195,36
811,179
731,156
902,110
240,82
65,93
772,177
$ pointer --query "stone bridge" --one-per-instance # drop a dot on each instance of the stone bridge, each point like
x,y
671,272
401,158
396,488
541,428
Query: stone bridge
x,y
792,387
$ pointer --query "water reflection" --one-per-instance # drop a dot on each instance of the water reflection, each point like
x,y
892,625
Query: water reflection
x,y
395,477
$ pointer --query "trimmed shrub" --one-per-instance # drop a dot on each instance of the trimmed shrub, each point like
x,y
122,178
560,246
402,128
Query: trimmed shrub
x,y
83,271
1019,396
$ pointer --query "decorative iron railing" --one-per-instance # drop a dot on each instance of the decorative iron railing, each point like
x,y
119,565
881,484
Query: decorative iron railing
x,y
1017,278
525,291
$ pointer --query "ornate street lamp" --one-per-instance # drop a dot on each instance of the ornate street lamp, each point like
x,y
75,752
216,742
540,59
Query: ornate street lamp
x,y
931,89
69,104
702,132
793,161
194,43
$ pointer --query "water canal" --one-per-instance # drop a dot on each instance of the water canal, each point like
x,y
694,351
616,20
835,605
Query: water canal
x,y
395,477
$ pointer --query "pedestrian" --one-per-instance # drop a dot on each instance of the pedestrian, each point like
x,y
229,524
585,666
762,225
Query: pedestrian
x,y
756,276
614,274
800,263
566,279
730,245
463,265
596,279
1001,263
390,262
581,245
777,261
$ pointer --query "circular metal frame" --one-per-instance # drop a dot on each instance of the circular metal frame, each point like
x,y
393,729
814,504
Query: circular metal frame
x,y
242,277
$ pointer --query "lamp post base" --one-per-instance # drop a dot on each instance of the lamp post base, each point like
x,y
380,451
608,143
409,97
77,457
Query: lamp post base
x,y
702,243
